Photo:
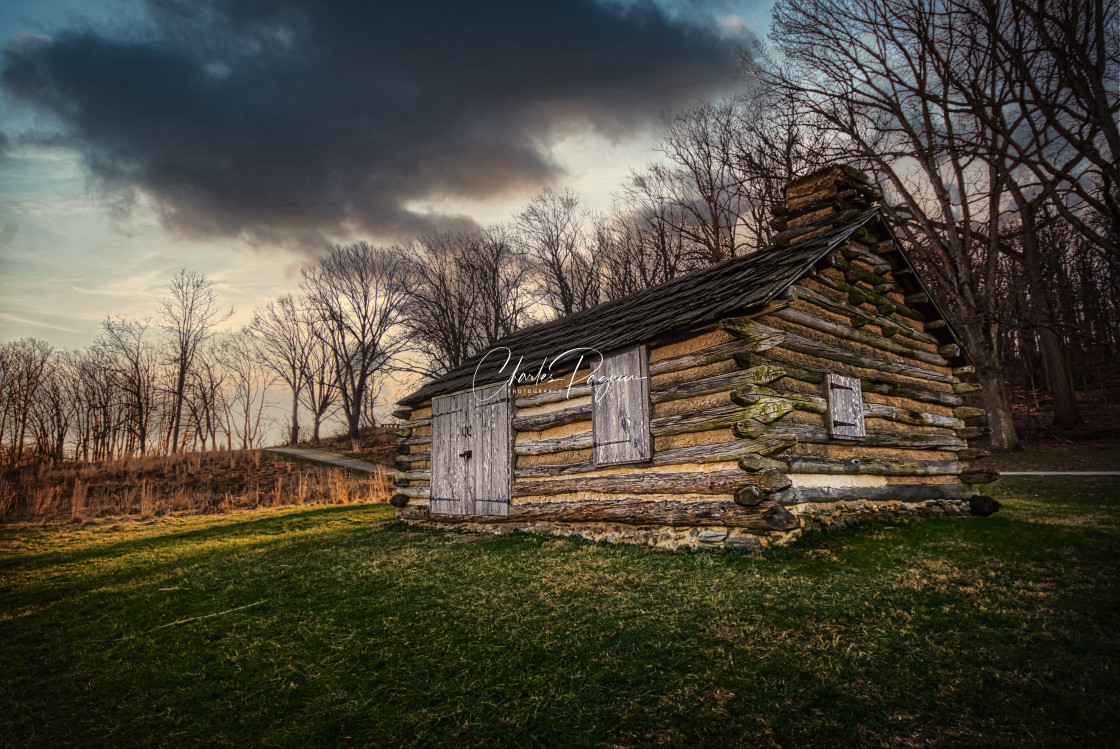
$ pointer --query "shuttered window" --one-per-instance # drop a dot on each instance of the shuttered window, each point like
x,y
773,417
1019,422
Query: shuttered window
x,y
620,408
845,407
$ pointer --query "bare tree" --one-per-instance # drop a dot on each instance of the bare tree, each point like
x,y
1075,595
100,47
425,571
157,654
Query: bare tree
x,y
25,364
467,290
189,318
320,391
135,363
206,396
282,338
358,292
246,384
551,228
861,70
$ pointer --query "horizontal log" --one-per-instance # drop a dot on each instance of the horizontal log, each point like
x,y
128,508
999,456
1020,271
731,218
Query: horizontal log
x,y
711,355
760,375
402,432
802,345
768,410
836,200
971,453
854,273
896,492
750,495
755,463
415,492
402,413
868,466
968,412
706,386
965,387
951,350
818,435
423,421
760,337
980,476
883,387
964,370
695,482
864,337
719,452
399,500
971,433
425,475
936,324
404,462
771,480
847,310
563,417
918,297
878,263
755,394
882,304
765,518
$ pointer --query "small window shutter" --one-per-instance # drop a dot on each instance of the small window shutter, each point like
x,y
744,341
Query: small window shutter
x,y
620,408
845,407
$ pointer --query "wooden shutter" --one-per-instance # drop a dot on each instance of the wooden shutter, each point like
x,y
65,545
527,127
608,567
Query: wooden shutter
x,y
492,450
845,407
620,409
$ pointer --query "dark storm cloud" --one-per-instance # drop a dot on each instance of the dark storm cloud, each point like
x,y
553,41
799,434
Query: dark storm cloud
x,y
287,120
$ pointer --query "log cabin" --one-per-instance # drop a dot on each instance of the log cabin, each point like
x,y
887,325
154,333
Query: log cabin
x,y
809,385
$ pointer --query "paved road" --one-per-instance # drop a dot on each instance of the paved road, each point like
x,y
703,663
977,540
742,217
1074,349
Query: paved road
x,y
334,459
1059,473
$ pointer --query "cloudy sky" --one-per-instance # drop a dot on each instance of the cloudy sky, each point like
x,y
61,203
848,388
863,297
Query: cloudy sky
x,y
240,137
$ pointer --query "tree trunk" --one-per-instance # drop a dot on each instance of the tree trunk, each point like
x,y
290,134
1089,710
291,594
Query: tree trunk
x,y
294,436
1063,397
997,403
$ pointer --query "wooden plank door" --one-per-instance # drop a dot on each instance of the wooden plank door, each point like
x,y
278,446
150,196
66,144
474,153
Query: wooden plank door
x,y
491,469
451,487
472,453
620,409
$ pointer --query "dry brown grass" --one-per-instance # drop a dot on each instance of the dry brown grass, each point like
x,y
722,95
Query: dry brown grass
x,y
188,483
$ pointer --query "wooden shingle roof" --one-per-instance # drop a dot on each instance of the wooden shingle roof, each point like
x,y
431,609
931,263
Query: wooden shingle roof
x,y
692,300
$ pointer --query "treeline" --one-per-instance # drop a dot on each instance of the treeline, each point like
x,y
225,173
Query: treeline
x,y
988,126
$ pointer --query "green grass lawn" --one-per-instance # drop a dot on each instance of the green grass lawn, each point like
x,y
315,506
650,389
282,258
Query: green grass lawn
x,y
338,626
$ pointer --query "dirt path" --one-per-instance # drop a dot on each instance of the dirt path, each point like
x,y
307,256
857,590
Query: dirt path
x,y
1059,473
334,459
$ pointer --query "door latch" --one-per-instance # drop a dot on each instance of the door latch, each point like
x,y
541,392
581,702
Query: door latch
x,y
465,454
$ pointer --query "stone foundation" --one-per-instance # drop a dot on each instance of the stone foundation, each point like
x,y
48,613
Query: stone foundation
x,y
826,515
813,516
658,537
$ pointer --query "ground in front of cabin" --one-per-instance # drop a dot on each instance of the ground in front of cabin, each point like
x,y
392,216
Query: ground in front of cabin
x,y
338,626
